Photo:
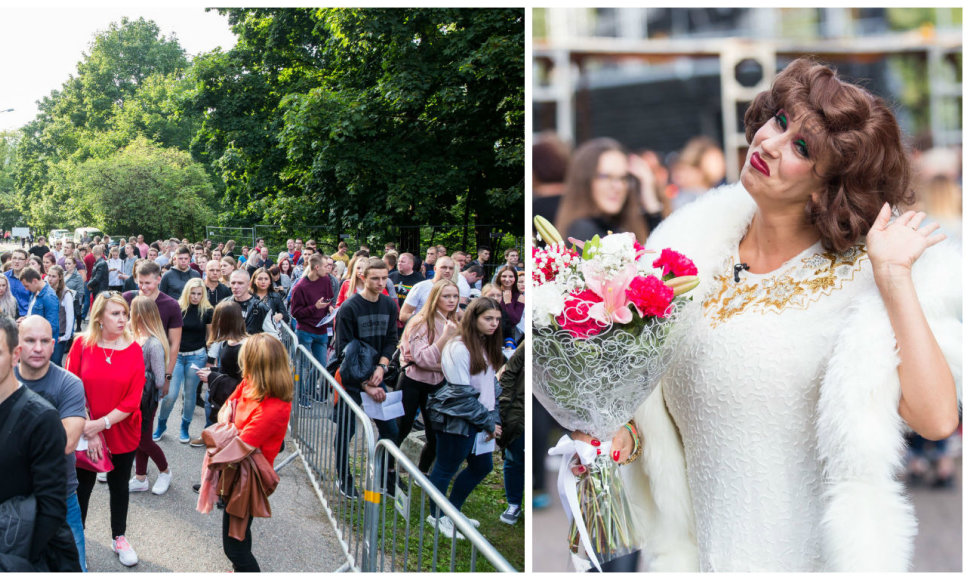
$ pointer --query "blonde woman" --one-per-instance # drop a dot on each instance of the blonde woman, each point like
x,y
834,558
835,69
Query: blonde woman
x,y
8,304
422,341
110,365
196,318
146,327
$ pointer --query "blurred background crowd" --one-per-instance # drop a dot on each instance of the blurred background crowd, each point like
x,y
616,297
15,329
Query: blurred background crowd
x,y
638,112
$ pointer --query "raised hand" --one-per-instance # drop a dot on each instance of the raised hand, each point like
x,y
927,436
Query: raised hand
x,y
894,247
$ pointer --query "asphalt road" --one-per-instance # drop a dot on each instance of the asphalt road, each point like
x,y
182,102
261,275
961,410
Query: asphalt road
x,y
938,544
169,535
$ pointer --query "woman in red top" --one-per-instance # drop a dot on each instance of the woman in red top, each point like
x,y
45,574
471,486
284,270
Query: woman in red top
x,y
110,364
262,402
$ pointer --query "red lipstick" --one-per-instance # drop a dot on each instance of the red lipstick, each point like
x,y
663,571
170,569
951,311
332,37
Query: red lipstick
x,y
758,163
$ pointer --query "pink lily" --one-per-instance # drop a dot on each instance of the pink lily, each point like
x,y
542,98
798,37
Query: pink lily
x,y
614,307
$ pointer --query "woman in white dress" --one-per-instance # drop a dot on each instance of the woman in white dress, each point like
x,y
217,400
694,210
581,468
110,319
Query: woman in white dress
x,y
822,328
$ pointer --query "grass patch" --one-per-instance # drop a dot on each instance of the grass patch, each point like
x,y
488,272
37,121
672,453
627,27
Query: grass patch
x,y
412,552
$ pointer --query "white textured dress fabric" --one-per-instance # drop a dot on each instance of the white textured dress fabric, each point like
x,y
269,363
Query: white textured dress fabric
x,y
746,413
776,443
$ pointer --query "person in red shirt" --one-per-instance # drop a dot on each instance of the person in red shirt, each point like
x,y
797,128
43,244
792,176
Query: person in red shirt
x,y
262,401
110,365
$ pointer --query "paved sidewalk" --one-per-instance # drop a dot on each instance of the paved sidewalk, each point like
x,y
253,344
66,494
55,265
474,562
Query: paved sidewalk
x,y
169,535
938,544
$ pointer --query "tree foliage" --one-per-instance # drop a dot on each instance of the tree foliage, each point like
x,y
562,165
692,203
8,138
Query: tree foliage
x,y
352,119
360,118
10,214
128,88
168,191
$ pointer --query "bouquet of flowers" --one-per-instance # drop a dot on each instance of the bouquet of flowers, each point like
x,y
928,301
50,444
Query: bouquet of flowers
x,y
604,331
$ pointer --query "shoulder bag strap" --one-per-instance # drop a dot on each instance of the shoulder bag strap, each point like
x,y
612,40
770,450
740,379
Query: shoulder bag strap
x,y
15,411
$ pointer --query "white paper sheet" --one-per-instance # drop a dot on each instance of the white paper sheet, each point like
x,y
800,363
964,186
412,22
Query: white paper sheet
x,y
482,446
328,318
391,408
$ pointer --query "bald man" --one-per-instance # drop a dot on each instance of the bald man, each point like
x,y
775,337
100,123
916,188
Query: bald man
x,y
65,392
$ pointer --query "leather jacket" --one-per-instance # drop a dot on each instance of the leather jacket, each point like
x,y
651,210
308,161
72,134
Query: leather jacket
x,y
455,409
240,474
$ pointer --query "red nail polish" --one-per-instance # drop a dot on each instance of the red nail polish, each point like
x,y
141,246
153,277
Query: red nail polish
x,y
616,455
582,469
595,442
599,452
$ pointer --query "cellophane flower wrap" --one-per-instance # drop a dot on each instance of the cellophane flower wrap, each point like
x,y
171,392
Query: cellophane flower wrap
x,y
604,331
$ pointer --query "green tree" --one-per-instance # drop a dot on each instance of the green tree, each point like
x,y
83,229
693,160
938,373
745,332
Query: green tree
x,y
158,191
358,119
121,58
10,214
128,84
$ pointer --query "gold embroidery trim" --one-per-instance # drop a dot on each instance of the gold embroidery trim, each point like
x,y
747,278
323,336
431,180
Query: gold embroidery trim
x,y
797,287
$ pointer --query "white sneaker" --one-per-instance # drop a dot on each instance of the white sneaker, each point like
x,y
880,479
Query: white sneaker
x,y
126,555
445,526
102,477
162,483
135,484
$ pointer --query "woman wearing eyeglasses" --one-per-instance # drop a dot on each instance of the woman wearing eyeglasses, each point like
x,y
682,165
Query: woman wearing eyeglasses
x,y
600,194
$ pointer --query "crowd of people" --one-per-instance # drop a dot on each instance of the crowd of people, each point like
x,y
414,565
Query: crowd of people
x,y
113,334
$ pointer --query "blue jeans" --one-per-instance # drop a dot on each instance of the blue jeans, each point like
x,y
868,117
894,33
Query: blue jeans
x,y
85,302
58,354
452,451
77,527
514,471
183,374
317,345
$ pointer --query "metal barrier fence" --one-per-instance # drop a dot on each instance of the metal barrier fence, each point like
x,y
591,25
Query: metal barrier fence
x,y
323,424
405,511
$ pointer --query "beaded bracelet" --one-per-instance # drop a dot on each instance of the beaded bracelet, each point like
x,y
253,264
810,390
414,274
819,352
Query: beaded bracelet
x,y
637,450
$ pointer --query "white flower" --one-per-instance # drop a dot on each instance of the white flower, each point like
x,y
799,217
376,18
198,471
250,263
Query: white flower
x,y
619,246
547,304
615,253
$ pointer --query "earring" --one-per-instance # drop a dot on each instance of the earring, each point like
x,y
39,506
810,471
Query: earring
x,y
101,326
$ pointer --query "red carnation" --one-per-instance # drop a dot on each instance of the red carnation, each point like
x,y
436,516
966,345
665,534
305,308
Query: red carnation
x,y
575,316
650,295
675,263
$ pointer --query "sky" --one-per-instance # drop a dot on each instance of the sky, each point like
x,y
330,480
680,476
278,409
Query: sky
x,y
40,46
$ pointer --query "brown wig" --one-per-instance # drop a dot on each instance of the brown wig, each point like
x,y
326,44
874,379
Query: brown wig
x,y
484,351
854,139
266,367
577,200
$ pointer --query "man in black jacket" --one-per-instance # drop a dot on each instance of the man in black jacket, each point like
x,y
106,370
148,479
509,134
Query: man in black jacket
x,y
371,318
98,281
256,313
32,464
